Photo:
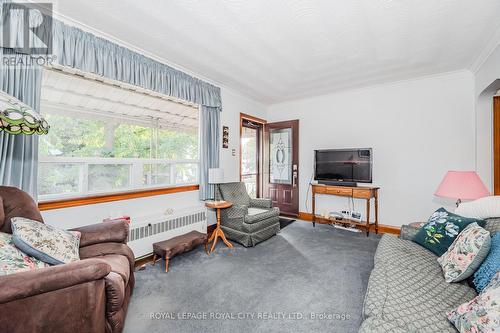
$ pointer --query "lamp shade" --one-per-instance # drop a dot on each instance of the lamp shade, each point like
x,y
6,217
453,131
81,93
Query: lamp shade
x,y
215,176
18,118
462,185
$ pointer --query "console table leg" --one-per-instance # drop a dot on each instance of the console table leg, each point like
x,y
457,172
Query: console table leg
x,y
367,217
376,213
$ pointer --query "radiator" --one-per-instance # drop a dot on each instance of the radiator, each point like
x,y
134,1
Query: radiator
x,y
146,230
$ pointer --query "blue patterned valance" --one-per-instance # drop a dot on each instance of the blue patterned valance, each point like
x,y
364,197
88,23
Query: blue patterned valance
x,y
84,51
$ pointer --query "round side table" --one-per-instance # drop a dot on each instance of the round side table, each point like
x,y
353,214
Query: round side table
x,y
218,205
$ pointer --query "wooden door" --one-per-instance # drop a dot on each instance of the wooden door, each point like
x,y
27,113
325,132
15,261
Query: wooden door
x,y
281,141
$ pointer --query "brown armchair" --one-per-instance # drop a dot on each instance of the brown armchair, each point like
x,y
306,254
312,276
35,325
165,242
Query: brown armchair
x,y
90,295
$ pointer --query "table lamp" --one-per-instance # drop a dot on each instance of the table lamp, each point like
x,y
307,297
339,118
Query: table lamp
x,y
215,176
18,118
462,185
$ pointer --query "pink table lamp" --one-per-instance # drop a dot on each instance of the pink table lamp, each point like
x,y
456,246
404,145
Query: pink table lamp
x,y
462,185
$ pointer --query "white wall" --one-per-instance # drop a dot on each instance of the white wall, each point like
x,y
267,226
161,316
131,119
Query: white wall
x,y
418,130
232,103
487,82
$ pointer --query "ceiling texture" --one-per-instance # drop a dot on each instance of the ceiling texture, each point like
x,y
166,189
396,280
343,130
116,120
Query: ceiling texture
x,y
279,50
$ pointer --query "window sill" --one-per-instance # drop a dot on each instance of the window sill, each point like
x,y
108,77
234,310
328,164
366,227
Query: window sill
x,y
96,199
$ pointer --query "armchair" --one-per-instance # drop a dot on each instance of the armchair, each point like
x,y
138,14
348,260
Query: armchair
x,y
90,295
249,221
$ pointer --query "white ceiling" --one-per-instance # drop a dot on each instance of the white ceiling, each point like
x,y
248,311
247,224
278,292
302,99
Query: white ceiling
x,y
277,50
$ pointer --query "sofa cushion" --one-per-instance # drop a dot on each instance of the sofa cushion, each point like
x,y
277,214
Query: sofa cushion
x,y
45,242
119,264
482,208
406,254
261,214
412,299
466,253
13,260
482,314
441,230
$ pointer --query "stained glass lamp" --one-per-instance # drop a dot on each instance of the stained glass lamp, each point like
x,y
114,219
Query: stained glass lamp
x,y
18,118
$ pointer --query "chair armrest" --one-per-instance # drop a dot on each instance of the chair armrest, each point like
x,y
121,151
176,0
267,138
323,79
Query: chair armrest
x,y
261,203
235,211
43,280
105,232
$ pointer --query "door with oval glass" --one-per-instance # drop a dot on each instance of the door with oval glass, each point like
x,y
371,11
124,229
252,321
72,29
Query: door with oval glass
x,y
282,165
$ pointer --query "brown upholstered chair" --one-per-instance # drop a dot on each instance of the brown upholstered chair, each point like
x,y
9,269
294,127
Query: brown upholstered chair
x,y
90,295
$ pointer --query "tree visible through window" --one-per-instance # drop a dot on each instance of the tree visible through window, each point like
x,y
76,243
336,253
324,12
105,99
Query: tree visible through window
x,y
104,139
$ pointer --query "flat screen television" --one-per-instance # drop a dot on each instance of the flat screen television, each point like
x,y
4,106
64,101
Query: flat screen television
x,y
343,166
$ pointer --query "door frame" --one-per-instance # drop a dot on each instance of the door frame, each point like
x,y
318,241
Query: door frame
x,y
496,145
260,157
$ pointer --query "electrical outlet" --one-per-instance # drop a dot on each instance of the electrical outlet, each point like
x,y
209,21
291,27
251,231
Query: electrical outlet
x,y
169,211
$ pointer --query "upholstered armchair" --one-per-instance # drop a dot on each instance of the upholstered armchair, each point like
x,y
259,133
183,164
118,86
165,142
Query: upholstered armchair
x,y
249,221
89,295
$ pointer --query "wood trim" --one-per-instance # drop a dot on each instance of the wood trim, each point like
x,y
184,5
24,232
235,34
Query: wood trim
x,y
91,200
148,258
382,228
252,118
496,145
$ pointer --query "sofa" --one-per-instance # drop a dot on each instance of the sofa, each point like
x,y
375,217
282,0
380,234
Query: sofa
x,y
248,221
406,290
89,295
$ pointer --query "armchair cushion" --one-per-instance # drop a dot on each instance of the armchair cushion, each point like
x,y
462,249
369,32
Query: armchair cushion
x,y
261,203
105,232
261,214
235,192
45,242
13,260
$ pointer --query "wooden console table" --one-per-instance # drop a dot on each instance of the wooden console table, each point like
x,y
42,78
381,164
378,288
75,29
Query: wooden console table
x,y
346,191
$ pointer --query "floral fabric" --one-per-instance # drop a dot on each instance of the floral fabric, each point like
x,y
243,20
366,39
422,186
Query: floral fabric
x,y
482,314
466,253
45,242
12,260
441,229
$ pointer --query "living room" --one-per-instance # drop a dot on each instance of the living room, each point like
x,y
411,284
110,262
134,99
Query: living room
x,y
250,166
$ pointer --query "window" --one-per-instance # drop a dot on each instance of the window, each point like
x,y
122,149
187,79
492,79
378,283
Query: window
x,y
106,137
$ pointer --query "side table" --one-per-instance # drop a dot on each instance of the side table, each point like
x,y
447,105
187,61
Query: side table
x,y
218,205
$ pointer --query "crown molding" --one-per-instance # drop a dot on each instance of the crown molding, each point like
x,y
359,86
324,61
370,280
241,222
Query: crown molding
x,y
486,52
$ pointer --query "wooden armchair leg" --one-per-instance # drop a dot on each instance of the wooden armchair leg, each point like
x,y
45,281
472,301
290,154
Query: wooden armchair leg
x,y
166,265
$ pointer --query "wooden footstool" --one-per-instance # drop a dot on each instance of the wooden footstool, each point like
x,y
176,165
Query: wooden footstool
x,y
180,244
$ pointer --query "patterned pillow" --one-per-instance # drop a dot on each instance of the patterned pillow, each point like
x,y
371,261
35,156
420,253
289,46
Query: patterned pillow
x,y
12,260
482,314
45,242
440,231
466,253
490,266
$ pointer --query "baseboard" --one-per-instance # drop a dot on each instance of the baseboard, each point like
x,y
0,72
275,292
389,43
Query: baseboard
x,y
382,228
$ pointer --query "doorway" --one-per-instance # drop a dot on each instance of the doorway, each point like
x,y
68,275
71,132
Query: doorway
x,y
251,153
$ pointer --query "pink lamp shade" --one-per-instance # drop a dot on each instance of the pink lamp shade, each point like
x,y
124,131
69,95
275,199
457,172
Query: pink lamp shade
x,y
462,185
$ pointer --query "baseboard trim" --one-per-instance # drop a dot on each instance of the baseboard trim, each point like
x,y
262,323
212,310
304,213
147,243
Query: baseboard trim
x,y
382,228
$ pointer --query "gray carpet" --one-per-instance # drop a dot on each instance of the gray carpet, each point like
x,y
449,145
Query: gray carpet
x,y
280,283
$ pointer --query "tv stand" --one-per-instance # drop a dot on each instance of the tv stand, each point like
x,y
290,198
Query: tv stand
x,y
337,183
356,192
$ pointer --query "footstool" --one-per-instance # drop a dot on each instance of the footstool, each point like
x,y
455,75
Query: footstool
x,y
171,247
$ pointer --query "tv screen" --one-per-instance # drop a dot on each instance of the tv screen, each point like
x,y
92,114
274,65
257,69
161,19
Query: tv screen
x,y
348,165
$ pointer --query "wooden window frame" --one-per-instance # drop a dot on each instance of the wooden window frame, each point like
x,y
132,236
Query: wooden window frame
x,y
96,199
260,141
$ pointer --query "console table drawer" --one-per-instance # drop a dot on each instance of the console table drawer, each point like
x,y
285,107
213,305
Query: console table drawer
x,y
346,192
362,193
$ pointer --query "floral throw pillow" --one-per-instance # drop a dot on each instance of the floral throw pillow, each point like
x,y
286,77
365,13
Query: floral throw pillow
x,y
440,231
12,260
466,253
45,242
482,314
